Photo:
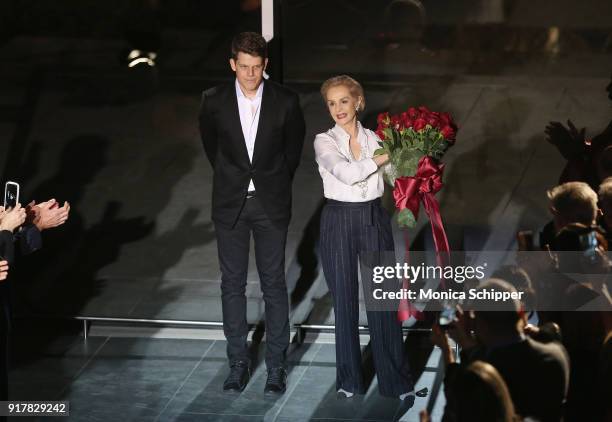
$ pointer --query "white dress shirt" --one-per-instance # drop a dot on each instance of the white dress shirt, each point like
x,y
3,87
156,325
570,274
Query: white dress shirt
x,y
345,178
249,110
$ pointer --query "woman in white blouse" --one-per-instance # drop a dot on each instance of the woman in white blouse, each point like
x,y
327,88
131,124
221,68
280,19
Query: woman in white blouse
x,y
353,221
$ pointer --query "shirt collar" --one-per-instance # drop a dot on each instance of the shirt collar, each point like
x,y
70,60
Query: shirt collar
x,y
240,94
340,133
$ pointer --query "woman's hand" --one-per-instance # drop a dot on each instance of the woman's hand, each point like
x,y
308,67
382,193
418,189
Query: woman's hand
x,y
13,218
439,338
424,416
381,160
459,330
3,270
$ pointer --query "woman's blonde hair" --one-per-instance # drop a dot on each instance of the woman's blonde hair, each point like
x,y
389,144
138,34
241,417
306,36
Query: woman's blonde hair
x,y
353,86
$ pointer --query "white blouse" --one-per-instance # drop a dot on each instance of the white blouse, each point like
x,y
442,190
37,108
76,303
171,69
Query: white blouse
x,y
345,178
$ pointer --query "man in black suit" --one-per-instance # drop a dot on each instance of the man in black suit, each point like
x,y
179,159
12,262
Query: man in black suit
x,y
253,132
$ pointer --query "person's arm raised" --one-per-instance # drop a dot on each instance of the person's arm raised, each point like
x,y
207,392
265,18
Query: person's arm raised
x,y
4,267
13,218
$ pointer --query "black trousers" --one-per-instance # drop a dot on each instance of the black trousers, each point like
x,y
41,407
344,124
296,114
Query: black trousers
x,y
233,247
348,229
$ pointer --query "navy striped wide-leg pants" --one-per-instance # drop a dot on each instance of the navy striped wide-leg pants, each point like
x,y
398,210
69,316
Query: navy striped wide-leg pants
x,y
347,229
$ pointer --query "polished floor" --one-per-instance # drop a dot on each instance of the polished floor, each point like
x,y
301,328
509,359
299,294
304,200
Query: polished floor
x,y
147,378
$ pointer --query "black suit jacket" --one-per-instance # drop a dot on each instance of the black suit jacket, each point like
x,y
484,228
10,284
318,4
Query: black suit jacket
x,y
537,376
278,147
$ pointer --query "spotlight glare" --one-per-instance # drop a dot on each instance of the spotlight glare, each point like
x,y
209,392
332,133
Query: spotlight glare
x,y
134,54
141,60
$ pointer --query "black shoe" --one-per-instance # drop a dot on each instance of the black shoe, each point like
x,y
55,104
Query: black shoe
x,y
277,380
238,377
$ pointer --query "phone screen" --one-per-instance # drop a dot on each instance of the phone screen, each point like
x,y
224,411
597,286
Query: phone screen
x,y
11,194
447,316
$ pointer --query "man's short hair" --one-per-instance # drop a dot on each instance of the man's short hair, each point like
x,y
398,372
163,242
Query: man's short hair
x,y
250,43
518,278
575,202
353,86
514,275
501,315
605,191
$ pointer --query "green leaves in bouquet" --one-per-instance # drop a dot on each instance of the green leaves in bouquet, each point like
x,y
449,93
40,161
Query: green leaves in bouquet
x,y
405,218
389,136
432,142
407,147
406,161
384,149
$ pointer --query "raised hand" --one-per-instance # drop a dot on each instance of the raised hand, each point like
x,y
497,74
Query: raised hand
x,y
439,338
570,141
32,213
13,218
49,214
3,270
460,331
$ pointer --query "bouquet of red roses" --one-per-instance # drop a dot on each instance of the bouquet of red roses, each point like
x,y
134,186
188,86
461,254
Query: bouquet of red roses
x,y
415,140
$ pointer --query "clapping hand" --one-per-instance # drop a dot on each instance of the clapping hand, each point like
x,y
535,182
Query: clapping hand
x,y
440,339
12,218
48,214
570,141
460,330
3,270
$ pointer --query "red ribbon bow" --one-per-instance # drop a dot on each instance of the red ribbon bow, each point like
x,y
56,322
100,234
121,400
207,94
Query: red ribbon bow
x,y
409,192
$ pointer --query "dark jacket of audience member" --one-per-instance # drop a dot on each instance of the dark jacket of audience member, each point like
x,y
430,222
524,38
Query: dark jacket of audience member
x,y
537,374
587,320
26,240
479,394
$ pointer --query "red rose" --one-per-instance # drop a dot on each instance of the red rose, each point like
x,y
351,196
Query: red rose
x,y
435,115
433,121
424,110
406,121
446,120
383,119
419,124
413,113
396,122
448,132
380,133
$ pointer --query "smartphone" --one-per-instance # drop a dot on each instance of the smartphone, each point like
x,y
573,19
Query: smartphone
x,y
11,194
525,240
589,243
447,316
